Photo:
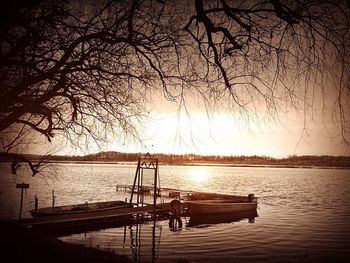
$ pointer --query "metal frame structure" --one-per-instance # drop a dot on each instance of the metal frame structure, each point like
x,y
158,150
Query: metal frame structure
x,y
145,163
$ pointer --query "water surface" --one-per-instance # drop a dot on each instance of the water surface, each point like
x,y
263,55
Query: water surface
x,y
303,214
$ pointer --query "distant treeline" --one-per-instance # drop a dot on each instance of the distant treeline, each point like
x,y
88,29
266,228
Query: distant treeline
x,y
186,159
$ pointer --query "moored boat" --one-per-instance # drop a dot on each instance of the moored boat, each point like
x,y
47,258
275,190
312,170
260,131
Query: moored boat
x,y
219,206
78,208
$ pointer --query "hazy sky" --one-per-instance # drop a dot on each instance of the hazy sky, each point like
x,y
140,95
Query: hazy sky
x,y
223,132
170,131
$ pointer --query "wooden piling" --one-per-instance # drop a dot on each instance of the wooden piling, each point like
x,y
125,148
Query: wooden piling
x,y
22,187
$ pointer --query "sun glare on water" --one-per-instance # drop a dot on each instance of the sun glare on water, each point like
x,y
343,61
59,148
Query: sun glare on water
x,y
198,175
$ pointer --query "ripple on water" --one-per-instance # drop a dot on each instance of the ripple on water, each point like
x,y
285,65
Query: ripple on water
x,y
303,213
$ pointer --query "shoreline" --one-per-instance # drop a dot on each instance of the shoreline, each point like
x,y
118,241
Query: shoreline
x,y
133,163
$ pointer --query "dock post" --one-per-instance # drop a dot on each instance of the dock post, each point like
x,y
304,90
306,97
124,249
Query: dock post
x,y
22,186
155,189
125,218
126,209
20,207
35,204
53,198
141,189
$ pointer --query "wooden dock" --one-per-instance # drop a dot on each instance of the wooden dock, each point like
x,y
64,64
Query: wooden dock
x,y
133,212
119,215
95,219
88,220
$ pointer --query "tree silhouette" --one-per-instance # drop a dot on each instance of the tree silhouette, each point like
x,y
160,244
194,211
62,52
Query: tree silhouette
x,y
275,52
80,70
83,70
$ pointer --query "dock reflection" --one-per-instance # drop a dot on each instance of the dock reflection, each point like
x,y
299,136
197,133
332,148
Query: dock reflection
x,y
151,242
137,242
175,224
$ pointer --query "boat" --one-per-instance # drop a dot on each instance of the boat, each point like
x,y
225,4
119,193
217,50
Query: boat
x,y
78,208
223,197
219,207
223,205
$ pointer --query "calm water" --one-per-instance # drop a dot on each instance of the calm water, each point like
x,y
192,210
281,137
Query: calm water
x,y
303,214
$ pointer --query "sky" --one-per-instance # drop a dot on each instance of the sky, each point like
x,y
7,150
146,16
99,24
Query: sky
x,y
169,130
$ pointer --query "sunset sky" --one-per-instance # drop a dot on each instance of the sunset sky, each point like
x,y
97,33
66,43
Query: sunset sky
x,y
169,130
273,80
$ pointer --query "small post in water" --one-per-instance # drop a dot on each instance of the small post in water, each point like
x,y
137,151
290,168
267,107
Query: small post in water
x,y
35,204
22,186
53,198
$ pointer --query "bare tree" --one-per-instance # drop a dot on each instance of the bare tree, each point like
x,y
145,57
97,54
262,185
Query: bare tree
x,y
84,70
81,70
269,55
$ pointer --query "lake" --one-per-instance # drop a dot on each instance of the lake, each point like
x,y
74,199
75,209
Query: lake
x,y
303,215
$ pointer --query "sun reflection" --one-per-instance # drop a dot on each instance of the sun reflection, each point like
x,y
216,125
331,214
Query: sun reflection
x,y
198,175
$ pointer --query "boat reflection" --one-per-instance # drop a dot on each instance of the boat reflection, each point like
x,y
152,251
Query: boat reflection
x,y
207,220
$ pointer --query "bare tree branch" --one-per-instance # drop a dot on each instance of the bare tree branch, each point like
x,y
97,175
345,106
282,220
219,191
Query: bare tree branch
x,y
82,70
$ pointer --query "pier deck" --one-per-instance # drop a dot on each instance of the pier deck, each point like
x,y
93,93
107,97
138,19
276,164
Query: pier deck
x,y
93,218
